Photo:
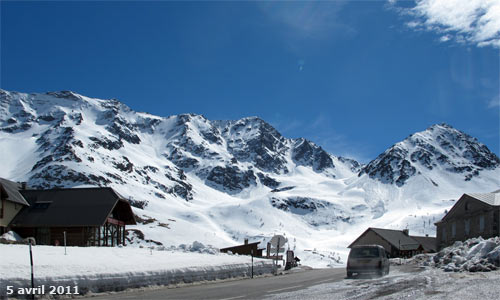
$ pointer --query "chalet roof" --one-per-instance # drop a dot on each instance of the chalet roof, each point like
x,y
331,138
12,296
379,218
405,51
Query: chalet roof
x,y
397,238
72,207
427,242
488,198
240,246
11,189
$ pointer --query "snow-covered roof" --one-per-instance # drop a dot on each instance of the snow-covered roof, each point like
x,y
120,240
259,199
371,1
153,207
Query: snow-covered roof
x,y
489,198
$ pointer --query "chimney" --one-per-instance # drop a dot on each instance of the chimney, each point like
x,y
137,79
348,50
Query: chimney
x,y
246,241
23,185
406,232
427,235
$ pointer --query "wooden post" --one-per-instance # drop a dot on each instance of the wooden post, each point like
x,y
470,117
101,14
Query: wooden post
x,y
32,276
251,253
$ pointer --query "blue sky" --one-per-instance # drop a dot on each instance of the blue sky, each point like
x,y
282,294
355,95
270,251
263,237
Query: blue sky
x,y
355,77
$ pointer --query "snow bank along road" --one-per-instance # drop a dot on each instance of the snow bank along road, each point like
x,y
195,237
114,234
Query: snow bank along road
x,y
256,288
100,269
403,282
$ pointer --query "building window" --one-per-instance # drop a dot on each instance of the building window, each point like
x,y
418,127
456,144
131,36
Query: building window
x,y
453,229
467,227
481,223
467,206
444,234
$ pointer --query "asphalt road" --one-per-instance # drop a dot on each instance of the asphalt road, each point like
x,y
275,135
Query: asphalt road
x,y
255,288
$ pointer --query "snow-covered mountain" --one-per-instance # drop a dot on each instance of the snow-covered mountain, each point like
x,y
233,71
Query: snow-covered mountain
x,y
190,178
439,147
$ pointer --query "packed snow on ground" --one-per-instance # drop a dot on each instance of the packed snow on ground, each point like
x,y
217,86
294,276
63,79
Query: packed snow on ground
x,y
99,269
431,283
465,270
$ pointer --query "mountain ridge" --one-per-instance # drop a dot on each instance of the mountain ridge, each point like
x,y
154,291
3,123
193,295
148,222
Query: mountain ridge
x,y
222,181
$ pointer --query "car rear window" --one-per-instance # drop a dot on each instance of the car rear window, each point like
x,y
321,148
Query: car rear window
x,y
364,252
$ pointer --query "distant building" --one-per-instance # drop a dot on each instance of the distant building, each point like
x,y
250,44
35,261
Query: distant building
x,y
245,249
473,215
428,243
11,202
398,243
89,216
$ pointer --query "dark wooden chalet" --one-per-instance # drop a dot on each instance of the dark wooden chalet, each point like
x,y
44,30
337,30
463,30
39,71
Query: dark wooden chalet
x,y
245,249
89,216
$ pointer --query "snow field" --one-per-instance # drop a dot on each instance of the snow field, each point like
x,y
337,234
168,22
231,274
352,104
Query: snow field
x,y
100,269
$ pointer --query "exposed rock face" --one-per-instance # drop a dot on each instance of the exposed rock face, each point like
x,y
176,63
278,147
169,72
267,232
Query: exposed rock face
x,y
230,179
301,205
255,141
308,154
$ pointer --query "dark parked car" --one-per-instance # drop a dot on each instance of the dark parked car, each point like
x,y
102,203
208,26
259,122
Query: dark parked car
x,y
367,259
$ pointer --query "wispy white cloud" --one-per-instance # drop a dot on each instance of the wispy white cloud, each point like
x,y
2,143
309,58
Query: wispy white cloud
x,y
307,19
494,102
463,21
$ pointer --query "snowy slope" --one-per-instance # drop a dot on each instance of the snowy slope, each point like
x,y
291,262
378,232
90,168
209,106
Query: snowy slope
x,y
218,182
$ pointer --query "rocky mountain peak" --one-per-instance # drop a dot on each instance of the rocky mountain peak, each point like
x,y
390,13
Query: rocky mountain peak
x,y
440,146
68,95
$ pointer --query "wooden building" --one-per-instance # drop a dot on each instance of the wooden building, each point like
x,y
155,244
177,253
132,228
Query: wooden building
x,y
398,243
245,249
473,215
89,216
11,202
